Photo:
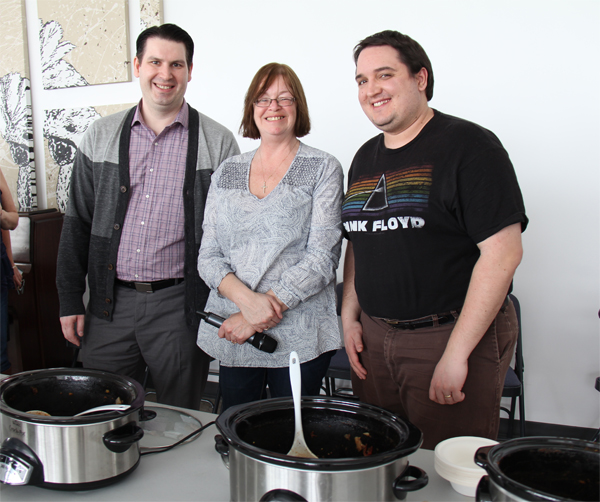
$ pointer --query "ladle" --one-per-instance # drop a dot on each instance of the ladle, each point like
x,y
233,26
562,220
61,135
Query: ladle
x,y
105,407
299,448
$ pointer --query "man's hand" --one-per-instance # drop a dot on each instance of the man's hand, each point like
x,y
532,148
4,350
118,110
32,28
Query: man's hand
x,y
354,345
500,255
448,380
351,311
72,328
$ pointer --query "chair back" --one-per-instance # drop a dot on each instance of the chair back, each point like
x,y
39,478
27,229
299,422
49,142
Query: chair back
x,y
519,364
339,291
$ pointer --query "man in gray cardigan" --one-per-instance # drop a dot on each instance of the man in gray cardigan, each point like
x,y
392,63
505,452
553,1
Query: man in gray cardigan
x,y
133,226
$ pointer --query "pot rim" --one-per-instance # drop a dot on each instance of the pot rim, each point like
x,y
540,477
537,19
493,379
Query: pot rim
x,y
497,452
33,375
227,420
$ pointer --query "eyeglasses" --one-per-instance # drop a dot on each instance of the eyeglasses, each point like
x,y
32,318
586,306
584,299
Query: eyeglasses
x,y
266,102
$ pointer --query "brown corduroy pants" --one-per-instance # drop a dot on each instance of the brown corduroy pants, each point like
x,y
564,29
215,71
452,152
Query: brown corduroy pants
x,y
400,365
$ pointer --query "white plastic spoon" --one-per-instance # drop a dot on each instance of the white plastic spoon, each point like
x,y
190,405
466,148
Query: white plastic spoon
x,y
105,407
299,448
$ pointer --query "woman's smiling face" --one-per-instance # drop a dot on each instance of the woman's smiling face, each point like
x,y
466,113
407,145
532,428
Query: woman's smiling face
x,y
276,120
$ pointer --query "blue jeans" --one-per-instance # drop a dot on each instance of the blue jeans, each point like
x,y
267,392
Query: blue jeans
x,y
241,385
5,364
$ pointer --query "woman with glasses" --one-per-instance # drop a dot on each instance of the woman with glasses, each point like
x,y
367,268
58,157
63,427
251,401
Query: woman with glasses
x,y
271,246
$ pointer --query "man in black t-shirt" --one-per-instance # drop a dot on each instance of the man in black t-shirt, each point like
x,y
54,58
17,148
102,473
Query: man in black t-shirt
x,y
434,216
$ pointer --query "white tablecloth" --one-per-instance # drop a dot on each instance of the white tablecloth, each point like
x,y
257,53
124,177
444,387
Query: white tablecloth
x,y
195,472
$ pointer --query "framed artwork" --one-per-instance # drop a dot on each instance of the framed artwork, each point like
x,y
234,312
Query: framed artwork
x,y
83,43
63,130
151,13
16,127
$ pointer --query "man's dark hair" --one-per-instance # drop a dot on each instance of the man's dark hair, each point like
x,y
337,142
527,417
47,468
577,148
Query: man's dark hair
x,y
170,32
409,52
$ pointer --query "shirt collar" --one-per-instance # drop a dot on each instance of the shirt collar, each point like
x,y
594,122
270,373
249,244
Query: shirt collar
x,y
183,116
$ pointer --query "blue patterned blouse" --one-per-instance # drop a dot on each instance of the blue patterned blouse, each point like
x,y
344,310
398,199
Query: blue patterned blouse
x,y
289,241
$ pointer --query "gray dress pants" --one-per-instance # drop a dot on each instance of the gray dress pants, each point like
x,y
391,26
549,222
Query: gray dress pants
x,y
149,329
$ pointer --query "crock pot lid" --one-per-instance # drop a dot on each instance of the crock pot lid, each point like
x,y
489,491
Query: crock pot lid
x,y
168,427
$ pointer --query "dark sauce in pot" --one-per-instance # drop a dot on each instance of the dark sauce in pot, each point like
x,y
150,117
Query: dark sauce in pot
x,y
327,435
554,471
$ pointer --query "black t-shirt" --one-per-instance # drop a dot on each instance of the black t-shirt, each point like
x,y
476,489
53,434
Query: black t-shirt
x,y
415,215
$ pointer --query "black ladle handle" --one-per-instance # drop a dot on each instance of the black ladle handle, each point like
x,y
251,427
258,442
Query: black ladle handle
x,y
261,341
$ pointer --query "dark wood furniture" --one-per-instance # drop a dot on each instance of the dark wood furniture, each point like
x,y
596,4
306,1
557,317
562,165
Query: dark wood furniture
x,y
35,312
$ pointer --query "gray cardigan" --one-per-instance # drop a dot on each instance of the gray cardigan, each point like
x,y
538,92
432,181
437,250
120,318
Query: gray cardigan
x,y
98,199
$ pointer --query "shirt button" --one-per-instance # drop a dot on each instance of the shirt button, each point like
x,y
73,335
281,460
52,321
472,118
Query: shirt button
x,y
147,196
142,223
136,276
137,250
151,170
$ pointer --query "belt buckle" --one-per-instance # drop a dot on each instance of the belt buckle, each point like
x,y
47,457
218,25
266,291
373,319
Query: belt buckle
x,y
143,287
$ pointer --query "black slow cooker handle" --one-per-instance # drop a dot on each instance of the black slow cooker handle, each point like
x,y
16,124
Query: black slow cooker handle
x,y
221,446
483,490
481,456
402,484
121,438
281,495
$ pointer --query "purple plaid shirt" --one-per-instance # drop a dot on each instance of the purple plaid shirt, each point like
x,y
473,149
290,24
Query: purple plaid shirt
x,y
152,240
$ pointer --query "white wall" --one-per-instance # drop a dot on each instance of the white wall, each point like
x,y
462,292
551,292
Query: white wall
x,y
526,69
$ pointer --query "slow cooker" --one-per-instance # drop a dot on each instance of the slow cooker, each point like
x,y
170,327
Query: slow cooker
x,y
540,469
58,450
362,451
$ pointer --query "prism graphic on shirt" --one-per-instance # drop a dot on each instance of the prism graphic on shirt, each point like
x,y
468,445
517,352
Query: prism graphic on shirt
x,y
388,201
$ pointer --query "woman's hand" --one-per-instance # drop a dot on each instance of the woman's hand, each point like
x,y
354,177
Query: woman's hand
x,y
236,329
17,277
262,311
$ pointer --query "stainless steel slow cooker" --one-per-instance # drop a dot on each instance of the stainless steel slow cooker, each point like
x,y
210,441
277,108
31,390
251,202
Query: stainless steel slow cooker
x,y
62,451
540,469
362,452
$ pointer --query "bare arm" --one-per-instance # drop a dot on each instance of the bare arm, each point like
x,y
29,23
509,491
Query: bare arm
x,y
500,256
351,316
9,216
17,277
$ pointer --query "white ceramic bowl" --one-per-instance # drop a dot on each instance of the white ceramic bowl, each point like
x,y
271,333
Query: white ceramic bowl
x,y
454,461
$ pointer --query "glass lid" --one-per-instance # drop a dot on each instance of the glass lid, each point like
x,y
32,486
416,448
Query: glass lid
x,y
168,427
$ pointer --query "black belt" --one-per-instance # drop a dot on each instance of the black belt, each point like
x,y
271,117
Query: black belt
x,y
430,321
425,322
149,287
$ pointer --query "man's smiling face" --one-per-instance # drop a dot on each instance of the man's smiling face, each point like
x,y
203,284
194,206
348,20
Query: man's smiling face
x,y
163,74
390,95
